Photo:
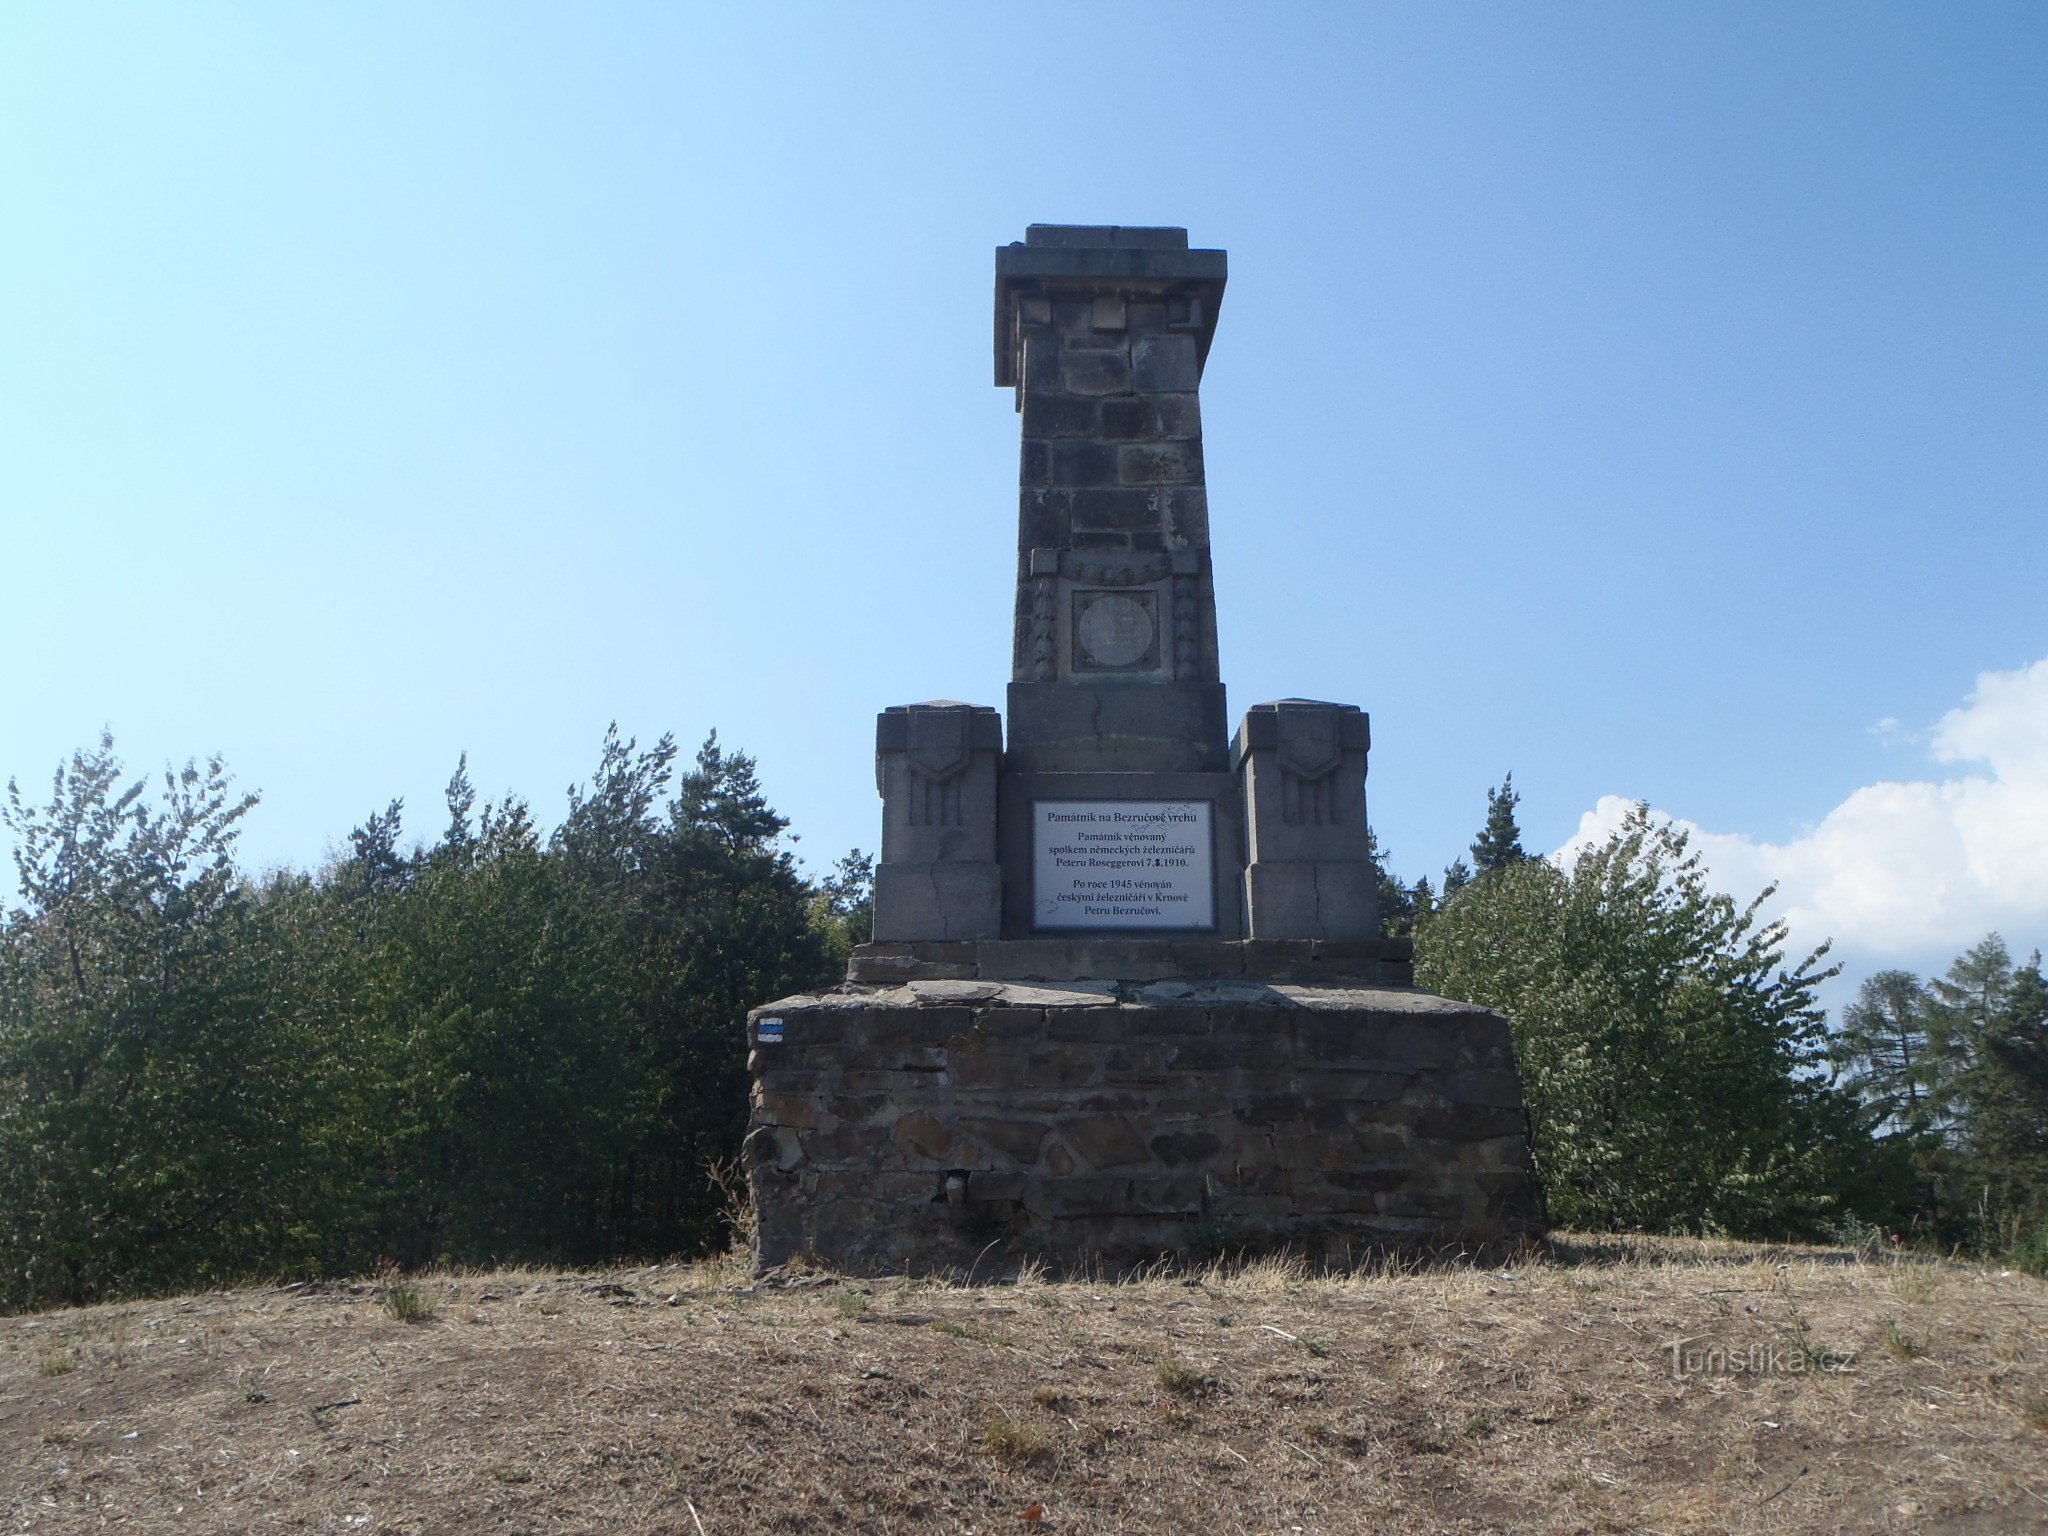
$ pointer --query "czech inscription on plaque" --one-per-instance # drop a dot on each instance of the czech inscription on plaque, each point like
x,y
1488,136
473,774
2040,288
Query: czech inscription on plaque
x,y
1123,864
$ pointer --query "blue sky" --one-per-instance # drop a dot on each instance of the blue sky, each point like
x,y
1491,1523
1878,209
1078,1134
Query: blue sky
x,y
1651,400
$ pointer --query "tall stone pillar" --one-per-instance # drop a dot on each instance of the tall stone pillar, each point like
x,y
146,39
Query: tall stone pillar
x,y
1115,693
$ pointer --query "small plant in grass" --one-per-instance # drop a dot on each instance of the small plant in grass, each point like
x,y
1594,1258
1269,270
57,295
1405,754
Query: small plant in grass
x,y
402,1299
1052,1399
408,1303
851,1303
1316,1347
2034,1411
728,1178
1184,1381
1898,1343
1018,1440
1480,1423
57,1364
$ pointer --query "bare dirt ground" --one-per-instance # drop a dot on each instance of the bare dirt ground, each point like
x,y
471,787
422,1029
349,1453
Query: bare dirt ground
x,y
1816,1392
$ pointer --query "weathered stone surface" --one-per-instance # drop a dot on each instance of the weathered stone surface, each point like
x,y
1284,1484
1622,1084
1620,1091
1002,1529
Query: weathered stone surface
x,y
1309,874
1105,1142
1126,1120
936,767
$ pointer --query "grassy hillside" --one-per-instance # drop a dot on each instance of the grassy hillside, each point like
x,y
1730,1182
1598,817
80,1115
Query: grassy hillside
x,y
686,1399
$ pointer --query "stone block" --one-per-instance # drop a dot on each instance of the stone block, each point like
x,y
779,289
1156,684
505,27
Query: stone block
x,y
1133,1059
855,1108
1073,317
1303,765
1370,1176
1471,1122
1221,1055
1311,900
1061,416
1159,463
1492,1089
938,900
1106,726
1178,416
1187,518
1113,507
890,969
1091,373
916,1024
1097,1025
1019,1141
1105,1142
1167,1021
1357,1090
1086,464
796,1111
1043,353
923,1137
936,765
1063,1067
770,1146
1271,1109
1177,1147
1128,420
1044,516
1165,363
1181,1194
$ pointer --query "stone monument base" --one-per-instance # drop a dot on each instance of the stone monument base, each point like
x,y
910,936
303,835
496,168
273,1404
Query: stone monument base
x,y
915,1126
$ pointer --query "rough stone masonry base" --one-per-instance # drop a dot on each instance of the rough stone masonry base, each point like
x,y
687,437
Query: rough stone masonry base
x,y
913,1126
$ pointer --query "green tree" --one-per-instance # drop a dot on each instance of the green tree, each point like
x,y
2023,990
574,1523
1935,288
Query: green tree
x,y
151,1093
1669,1058
1499,843
2005,1099
1882,1053
1989,1029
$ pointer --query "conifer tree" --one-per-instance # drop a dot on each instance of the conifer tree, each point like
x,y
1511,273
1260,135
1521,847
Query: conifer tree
x,y
1499,843
1882,1053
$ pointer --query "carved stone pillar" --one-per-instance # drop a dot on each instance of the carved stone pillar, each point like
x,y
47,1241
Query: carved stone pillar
x,y
1309,873
936,765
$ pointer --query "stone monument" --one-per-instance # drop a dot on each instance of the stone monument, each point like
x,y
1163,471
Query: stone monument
x,y
1127,992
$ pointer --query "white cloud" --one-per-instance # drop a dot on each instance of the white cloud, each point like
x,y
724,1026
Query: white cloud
x,y
1910,870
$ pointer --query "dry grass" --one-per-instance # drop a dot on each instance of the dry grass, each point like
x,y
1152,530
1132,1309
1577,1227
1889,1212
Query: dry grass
x,y
408,1303
1254,1399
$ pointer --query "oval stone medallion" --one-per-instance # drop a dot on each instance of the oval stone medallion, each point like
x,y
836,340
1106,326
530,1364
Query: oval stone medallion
x,y
1115,630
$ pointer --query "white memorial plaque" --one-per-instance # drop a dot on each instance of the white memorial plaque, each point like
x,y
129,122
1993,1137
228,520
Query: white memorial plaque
x,y
1123,864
